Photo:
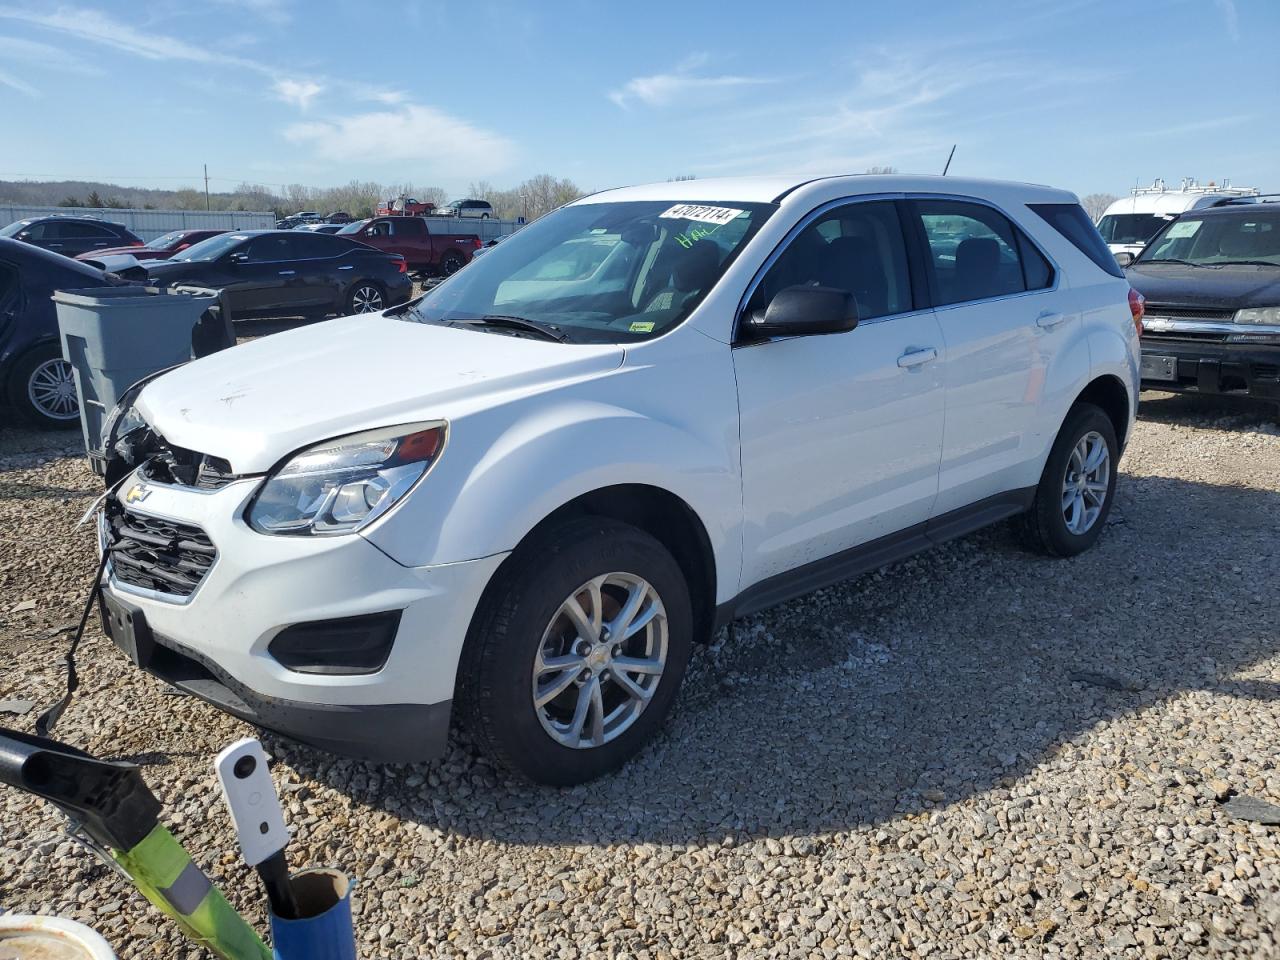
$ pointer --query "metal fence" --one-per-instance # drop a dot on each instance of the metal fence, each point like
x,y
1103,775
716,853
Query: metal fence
x,y
149,224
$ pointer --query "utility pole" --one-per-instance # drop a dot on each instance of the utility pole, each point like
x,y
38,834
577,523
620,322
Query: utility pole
x,y
206,187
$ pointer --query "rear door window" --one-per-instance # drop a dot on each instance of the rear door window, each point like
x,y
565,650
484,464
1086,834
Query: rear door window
x,y
973,252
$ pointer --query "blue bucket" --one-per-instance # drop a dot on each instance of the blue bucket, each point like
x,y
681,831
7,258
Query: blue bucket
x,y
323,930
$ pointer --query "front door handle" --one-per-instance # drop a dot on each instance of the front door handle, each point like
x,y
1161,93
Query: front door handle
x,y
1048,319
347,268
914,358
287,273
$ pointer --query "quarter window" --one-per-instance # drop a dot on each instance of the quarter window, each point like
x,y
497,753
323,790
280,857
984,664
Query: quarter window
x,y
857,247
976,253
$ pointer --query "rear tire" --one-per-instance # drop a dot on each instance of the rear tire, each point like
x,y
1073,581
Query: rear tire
x,y
1077,487
42,389
451,263
366,297
559,707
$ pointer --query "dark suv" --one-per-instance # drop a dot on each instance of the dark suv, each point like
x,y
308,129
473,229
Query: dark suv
x,y
71,236
1211,279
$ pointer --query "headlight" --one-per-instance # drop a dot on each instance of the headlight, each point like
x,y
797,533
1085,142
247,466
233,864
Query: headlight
x,y
120,422
1259,315
341,485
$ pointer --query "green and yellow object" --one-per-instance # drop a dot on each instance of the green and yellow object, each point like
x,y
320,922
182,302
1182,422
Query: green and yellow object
x,y
112,806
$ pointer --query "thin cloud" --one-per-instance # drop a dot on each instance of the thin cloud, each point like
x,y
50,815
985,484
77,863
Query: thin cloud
x,y
681,84
1230,17
300,93
21,86
272,11
413,132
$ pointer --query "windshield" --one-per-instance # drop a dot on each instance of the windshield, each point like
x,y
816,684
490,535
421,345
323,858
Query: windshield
x,y
212,248
168,240
601,272
1252,237
1130,227
15,228
355,227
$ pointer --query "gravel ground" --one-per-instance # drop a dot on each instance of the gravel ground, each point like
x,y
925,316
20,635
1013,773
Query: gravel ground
x,y
976,752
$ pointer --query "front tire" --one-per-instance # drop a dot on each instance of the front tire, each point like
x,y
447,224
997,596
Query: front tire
x,y
1077,486
42,389
577,651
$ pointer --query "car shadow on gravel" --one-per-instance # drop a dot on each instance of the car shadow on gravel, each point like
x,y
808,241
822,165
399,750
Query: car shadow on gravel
x,y
945,676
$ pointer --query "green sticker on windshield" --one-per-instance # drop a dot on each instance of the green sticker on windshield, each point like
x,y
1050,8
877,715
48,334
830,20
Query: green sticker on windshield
x,y
641,326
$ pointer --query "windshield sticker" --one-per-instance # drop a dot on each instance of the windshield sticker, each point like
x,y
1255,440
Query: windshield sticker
x,y
641,326
693,211
1186,228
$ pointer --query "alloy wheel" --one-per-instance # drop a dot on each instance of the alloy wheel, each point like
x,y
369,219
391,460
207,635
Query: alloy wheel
x,y
51,388
366,299
600,660
1086,482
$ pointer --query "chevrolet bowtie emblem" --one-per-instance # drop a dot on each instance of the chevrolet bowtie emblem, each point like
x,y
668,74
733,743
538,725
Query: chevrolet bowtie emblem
x,y
137,493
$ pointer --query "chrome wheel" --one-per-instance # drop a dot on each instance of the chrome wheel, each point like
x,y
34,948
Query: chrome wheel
x,y
366,299
51,388
1085,485
600,660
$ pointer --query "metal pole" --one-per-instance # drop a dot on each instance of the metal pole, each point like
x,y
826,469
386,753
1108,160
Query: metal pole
x,y
206,187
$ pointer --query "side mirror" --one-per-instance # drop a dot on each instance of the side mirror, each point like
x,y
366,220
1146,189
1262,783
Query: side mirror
x,y
805,311
24,235
1124,258
239,257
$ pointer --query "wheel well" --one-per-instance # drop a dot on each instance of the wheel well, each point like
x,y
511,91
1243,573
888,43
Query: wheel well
x,y
1110,394
667,519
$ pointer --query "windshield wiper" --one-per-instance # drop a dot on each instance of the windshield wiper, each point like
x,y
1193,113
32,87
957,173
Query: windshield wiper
x,y
1168,260
548,331
1245,263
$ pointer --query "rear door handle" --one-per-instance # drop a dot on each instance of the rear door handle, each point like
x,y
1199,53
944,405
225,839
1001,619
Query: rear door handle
x,y
913,358
1048,320
348,267
287,273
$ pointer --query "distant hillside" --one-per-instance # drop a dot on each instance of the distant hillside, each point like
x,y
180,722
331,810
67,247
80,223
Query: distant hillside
x,y
85,193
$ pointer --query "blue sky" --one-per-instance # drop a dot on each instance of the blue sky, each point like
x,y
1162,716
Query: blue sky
x,y
1085,94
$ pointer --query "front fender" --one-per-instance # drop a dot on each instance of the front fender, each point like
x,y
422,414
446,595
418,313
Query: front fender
x,y
507,468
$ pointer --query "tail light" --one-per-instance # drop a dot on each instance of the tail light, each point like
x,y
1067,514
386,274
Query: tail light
x,y
477,242
401,266
1138,307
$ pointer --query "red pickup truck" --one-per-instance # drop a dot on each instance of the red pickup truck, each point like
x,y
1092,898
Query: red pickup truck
x,y
424,251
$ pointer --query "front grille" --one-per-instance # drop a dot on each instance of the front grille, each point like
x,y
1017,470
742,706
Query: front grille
x,y
1158,312
161,555
1196,335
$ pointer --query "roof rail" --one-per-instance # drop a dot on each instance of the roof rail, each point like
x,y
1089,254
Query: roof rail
x,y
1252,198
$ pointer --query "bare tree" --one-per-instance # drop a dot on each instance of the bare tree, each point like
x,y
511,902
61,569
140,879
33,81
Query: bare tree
x,y
1095,204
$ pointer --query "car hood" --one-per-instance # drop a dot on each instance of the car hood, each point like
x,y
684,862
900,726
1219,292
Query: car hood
x,y
258,402
1223,288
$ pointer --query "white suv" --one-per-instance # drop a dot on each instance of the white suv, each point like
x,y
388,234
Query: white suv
x,y
534,489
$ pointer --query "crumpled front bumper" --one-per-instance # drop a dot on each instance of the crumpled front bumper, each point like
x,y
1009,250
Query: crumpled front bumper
x,y
214,642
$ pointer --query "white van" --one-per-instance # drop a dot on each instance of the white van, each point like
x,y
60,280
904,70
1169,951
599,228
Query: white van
x,y
1128,224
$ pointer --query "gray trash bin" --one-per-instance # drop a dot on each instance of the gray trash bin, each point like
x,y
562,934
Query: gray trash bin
x,y
115,336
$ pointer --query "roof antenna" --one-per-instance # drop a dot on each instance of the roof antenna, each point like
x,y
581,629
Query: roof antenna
x,y
949,156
